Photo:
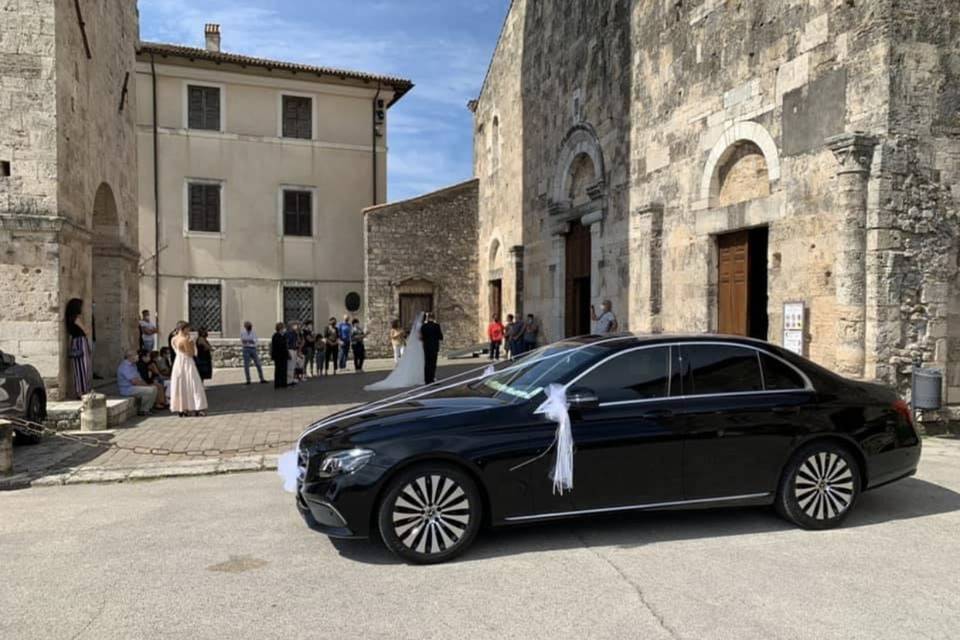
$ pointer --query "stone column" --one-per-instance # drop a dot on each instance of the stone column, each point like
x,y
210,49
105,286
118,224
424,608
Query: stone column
x,y
594,222
854,152
646,269
516,255
559,272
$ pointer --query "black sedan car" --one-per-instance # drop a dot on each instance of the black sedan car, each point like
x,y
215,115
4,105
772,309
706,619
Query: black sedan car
x,y
658,422
22,394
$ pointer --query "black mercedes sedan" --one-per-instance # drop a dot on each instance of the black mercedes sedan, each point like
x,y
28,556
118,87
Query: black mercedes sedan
x,y
658,422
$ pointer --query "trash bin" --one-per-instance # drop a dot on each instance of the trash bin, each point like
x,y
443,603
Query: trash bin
x,y
926,389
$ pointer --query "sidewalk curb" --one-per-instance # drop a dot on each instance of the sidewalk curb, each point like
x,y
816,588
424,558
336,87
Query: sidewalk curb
x,y
108,475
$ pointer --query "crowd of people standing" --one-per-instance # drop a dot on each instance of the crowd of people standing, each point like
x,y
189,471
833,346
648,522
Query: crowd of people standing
x,y
298,351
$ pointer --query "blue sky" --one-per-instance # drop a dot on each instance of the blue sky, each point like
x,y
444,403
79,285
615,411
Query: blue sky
x,y
443,46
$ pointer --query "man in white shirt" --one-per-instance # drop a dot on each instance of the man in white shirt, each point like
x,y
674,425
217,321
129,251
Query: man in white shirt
x,y
148,332
606,323
248,339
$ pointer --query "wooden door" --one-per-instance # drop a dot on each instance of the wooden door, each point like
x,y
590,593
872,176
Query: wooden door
x,y
496,298
732,291
411,305
577,289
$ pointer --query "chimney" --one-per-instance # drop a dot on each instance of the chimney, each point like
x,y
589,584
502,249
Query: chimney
x,y
212,34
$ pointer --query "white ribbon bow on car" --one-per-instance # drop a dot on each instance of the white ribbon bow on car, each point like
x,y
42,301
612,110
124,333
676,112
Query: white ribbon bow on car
x,y
555,408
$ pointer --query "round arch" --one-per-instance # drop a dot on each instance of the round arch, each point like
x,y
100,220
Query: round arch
x,y
580,140
741,131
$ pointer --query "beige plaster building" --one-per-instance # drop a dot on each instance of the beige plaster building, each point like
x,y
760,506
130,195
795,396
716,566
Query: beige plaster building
x,y
253,176
68,180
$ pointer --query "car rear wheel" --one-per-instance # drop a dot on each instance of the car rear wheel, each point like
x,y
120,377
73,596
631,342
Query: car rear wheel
x,y
820,486
35,413
430,513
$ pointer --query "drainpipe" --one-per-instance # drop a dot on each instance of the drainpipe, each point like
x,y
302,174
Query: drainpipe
x,y
156,196
373,133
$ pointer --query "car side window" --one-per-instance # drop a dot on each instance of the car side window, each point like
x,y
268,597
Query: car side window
x,y
720,368
635,375
778,375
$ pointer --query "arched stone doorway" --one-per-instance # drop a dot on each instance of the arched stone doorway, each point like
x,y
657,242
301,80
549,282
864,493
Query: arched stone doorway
x,y
576,210
111,286
741,168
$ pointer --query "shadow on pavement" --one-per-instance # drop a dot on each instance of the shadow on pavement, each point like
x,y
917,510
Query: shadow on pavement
x,y
52,455
910,498
341,389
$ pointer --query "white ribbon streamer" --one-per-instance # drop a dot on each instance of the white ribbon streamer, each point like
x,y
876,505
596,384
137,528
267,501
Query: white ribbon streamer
x,y
563,468
287,469
556,408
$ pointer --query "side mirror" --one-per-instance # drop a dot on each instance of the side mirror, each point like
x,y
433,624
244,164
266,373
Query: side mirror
x,y
582,398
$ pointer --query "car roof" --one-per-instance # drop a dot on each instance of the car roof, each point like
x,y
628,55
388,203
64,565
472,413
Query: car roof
x,y
623,341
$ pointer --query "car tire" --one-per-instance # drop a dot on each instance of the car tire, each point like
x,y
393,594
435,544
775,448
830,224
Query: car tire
x,y
430,513
35,413
820,486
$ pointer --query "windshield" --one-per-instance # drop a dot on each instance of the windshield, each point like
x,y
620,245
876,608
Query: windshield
x,y
527,376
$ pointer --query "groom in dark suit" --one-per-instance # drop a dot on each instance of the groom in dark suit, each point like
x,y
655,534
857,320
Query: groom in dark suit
x,y
431,335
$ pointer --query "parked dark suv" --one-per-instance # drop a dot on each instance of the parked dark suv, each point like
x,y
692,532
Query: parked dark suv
x,y
22,394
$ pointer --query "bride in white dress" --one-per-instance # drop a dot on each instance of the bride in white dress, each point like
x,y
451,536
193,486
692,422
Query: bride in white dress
x,y
409,370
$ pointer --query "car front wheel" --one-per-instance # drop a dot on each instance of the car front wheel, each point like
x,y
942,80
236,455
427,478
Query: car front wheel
x,y
820,486
430,513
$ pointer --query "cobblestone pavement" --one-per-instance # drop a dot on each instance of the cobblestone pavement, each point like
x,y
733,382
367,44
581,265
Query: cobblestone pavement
x,y
239,416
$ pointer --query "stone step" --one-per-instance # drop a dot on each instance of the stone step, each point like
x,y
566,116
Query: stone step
x,y
65,415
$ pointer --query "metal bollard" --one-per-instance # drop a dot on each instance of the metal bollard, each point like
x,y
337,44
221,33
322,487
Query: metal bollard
x,y
6,448
93,415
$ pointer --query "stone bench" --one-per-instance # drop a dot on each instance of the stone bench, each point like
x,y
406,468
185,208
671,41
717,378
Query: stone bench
x,y
65,416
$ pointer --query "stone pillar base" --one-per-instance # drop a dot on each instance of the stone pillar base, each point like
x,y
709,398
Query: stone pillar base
x,y
93,415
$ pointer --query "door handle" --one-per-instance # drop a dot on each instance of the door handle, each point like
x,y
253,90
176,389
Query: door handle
x,y
657,413
786,410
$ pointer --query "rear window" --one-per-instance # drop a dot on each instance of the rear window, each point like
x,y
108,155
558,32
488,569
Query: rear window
x,y
713,368
778,375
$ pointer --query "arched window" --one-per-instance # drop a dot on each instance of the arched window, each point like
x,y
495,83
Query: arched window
x,y
495,144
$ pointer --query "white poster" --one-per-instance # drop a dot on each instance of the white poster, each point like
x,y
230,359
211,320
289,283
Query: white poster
x,y
793,326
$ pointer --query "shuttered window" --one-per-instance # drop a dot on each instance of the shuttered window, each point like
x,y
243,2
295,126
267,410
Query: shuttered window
x,y
205,307
203,107
297,213
297,117
204,207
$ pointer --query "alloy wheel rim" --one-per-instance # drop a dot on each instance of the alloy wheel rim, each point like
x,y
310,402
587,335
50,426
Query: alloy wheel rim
x,y
824,486
431,514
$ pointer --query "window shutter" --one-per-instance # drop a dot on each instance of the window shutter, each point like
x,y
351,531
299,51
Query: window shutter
x,y
211,108
212,207
196,207
195,107
297,117
304,117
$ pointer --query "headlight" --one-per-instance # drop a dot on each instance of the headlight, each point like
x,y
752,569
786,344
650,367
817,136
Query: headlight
x,y
343,462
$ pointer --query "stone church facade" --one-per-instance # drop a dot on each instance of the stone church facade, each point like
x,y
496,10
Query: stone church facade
x,y
700,164
68,180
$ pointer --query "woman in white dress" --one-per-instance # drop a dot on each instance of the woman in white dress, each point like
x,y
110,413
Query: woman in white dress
x,y
409,370
187,396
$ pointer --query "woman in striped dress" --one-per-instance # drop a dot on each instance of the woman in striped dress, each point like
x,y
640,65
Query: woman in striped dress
x,y
79,352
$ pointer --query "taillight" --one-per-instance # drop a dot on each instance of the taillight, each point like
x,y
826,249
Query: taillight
x,y
903,410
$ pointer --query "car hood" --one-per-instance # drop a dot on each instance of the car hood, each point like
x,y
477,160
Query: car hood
x,y
404,418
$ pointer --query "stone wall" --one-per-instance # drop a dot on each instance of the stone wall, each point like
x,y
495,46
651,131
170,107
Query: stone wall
x,y
71,151
832,124
228,353
429,242
498,161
